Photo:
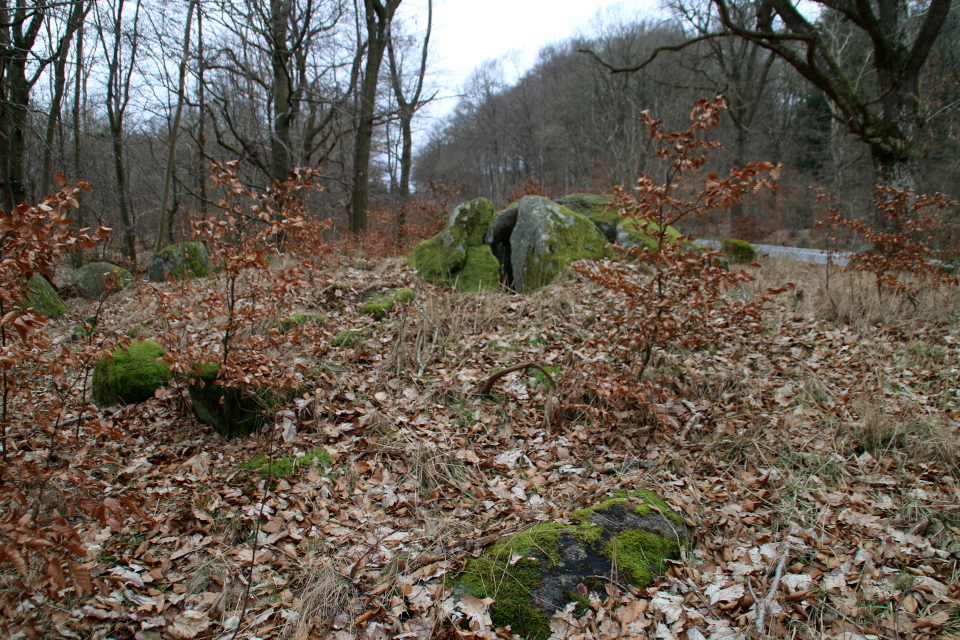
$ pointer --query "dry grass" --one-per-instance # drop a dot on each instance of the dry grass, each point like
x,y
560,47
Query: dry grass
x,y
324,594
887,429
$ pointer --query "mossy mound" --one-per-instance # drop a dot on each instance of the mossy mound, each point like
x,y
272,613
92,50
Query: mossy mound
x,y
540,570
456,256
350,338
178,261
300,320
91,280
739,251
132,375
228,410
598,209
379,305
546,238
43,297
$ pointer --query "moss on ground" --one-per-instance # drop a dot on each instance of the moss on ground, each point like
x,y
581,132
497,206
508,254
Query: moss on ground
x,y
300,320
285,466
637,551
350,338
132,375
379,305
739,251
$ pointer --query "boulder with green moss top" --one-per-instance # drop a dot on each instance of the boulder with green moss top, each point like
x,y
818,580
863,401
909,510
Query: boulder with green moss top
x,y
91,280
540,570
632,232
457,255
230,411
178,261
598,209
739,251
132,375
380,304
43,297
545,239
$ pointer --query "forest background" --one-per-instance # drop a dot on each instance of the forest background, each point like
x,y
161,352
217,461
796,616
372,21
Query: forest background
x,y
137,98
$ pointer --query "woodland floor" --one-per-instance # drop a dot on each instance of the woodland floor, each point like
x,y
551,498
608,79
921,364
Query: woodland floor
x,y
816,463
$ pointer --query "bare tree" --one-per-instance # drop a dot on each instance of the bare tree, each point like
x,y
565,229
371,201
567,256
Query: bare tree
x,y
378,18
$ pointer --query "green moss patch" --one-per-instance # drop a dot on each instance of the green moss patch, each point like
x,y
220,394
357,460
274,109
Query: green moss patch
x,y
43,297
132,375
739,251
538,571
597,208
300,320
381,304
350,338
286,466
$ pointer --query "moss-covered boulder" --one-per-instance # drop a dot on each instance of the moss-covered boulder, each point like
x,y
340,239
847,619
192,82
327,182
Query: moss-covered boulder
x,y
43,297
538,571
631,233
91,280
178,261
230,411
598,209
739,251
546,238
132,375
457,255
380,304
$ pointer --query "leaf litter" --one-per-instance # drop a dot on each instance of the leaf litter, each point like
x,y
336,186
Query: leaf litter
x,y
816,464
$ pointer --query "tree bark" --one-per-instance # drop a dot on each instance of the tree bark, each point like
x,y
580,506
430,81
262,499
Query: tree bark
x,y
74,22
378,17
76,258
174,130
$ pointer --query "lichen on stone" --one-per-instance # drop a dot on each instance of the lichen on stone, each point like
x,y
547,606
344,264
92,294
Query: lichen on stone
x,y
91,280
132,375
185,259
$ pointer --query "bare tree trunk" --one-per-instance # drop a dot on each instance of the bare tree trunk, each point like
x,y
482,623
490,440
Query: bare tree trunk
x,y
281,161
74,22
378,17
174,131
118,97
201,128
76,258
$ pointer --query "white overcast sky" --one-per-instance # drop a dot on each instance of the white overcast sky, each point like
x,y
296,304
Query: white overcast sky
x,y
468,32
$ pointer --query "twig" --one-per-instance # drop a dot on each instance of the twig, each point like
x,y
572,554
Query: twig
x,y
764,605
488,385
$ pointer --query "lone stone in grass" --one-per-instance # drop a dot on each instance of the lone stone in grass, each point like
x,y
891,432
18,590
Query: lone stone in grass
x,y
178,261
43,297
91,280
132,375
540,570
739,251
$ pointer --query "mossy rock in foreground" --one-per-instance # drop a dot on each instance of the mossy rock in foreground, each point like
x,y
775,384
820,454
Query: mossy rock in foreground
x,y
538,571
739,251
132,375
178,261
230,411
91,280
43,297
